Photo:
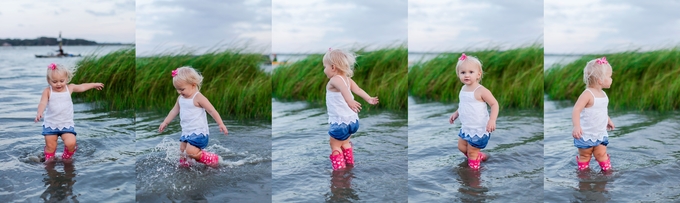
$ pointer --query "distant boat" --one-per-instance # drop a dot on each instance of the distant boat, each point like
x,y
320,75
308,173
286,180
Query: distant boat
x,y
51,55
60,52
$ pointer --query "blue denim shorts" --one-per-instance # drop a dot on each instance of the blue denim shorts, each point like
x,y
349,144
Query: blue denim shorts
x,y
342,131
58,132
475,141
583,144
200,140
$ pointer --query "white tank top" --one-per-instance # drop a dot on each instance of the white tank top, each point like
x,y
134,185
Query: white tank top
x,y
338,110
473,114
594,119
59,111
192,119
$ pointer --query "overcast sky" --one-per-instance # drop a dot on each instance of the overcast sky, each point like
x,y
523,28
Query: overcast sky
x,y
460,25
312,26
100,21
601,26
164,26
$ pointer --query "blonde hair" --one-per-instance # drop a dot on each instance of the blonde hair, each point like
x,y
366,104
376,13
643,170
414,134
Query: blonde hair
x,y
58,69
470,59
595,70
342,60
187,74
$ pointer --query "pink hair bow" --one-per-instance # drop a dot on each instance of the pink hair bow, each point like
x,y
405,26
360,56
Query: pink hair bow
x,y
52,66
174,73
329,49
462,57
602,60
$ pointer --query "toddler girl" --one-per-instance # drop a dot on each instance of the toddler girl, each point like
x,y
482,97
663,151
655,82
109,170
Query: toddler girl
x,y
57,106
342,109
590,118
191,106
477,125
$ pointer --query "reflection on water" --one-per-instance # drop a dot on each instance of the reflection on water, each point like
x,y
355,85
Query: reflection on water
x,y
592,186
59,184
470,181
341,187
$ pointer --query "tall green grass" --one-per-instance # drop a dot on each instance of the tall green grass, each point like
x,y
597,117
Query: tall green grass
x,y
116,70
232,81
515,77
641,80
380,73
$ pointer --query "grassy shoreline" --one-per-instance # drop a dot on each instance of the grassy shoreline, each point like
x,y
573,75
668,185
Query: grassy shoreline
x,y
515,77
380,73
116,70
233,82
641,80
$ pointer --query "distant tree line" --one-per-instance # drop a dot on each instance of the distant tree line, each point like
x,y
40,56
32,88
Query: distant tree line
x,y
49,41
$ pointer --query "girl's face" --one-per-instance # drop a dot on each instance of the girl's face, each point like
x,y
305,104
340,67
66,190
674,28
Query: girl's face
x,y
329,70
607,82
185,89
58,81
469,73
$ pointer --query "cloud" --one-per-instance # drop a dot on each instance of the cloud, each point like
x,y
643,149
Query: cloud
x,y
96,13
163,25
35,18
315,25
458,25
610,26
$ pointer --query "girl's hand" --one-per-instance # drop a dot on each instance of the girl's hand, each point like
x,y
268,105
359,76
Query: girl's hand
x,y
98,86
610,125
162,127
373,100
577,132
453,117
491,126
223,129
355,106
38,117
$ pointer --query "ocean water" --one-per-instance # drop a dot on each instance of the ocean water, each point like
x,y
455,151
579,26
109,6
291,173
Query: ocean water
x,y
645,156
243,174
301,169
438,171
102,168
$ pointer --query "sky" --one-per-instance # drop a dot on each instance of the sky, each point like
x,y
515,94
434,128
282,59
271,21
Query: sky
x,y
460,25
101,21
313,26
604,26
170,26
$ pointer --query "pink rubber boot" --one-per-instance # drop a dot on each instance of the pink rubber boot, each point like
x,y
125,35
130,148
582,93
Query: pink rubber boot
x,y
605,165
474,164
183,162
482,156
67,154
349,156
209,159
582,165
48,156
338,161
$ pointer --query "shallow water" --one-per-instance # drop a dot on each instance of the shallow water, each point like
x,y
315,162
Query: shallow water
x,y
644,150
103,166
244,173
301,169
438,172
